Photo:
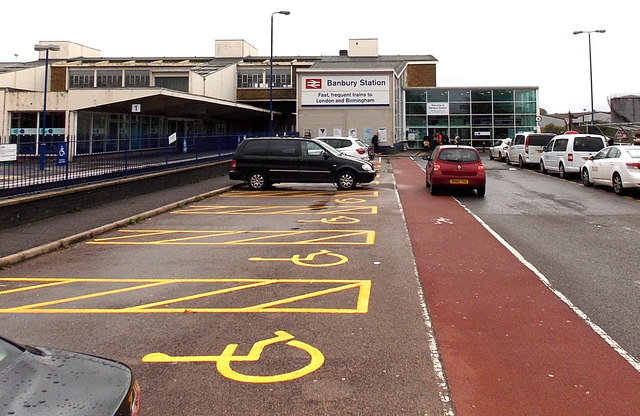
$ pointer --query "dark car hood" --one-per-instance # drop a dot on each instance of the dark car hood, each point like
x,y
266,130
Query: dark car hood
x,y
53,382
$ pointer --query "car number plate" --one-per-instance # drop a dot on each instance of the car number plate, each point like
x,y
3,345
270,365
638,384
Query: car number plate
x,y
459,181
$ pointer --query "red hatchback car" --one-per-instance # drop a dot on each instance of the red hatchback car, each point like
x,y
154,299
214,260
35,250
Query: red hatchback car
x,y
454,166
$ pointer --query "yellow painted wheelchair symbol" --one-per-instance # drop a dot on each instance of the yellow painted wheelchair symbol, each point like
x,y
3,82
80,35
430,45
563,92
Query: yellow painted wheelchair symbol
x,y
224,360
308,261
341,219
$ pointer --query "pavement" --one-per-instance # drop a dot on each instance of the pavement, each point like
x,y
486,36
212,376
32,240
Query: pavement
x,y
30,240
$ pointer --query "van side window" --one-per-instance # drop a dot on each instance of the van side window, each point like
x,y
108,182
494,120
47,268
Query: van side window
x,y
560,145
310,149
518,140
255,147
284,148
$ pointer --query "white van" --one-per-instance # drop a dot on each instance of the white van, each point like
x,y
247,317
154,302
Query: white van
x,y
567,153
526,148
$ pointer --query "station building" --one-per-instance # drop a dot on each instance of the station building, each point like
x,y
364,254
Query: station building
x,y
113,104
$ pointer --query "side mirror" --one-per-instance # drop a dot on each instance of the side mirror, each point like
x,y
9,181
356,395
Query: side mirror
x,y
325,154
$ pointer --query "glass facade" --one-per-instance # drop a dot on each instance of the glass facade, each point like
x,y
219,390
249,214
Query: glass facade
x,y
479,116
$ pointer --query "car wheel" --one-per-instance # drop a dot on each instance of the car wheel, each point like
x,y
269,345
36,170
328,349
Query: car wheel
x,y
491,156
542,168
500,157
481,191
520,162
434,189
346,180
257,181
561,171
617,184
506,159
585,178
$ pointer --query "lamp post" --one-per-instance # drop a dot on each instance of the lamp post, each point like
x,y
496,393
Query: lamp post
x,y
46,49
285,12
589,32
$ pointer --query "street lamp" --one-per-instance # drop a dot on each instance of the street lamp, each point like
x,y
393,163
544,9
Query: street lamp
x,y
589,32
46,49
285,12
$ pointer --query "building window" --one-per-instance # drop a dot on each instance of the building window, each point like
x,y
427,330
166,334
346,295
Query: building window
x,y
258,78
416,96
437,96
109,79
526,95
459,96
173,83
81,78
481,95
502,95
416,108
136,79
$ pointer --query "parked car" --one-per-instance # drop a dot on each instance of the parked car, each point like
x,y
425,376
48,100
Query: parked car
x,y
616,166
526,148
567,153
350,146
40,381
262,162
451,166
499,149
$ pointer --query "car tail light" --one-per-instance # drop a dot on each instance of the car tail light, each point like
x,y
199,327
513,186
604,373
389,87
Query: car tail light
x,y
233,164
480,168
633,165
526,145
436,166
360,151
570,157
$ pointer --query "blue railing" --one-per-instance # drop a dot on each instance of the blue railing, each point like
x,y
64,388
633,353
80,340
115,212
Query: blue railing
x,y
60,165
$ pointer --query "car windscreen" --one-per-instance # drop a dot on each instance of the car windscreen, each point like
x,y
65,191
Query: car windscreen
x,y
8,353
458,155
539,139
587,144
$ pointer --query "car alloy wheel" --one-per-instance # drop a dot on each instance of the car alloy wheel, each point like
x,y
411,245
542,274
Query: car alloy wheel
x,y
585,178
346,180
617,184
257,181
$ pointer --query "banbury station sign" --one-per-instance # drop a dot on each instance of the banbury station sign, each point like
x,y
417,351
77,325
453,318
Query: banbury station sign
x,y
345,90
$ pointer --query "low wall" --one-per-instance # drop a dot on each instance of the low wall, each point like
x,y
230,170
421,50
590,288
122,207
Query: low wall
x,y
21,210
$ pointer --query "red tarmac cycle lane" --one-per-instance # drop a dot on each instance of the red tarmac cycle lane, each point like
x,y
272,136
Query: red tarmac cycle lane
x,y
509,345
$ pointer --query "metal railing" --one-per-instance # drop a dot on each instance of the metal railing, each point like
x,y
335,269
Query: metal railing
x,y
57,165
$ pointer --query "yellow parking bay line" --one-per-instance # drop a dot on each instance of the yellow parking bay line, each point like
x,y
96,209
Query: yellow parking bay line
x,y
276,210
281,296
299,194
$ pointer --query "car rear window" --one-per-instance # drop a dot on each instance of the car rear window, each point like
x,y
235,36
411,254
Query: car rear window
x,y
634,153
540,139
587,144
459,155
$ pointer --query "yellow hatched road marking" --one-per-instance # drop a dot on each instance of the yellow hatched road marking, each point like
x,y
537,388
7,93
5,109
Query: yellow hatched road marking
x,y
187,237
275,210
359,305
298,194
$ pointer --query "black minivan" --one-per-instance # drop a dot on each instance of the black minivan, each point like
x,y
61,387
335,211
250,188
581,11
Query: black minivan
x,y
267,160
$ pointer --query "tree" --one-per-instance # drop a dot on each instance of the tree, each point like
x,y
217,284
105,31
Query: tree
x,y
552,128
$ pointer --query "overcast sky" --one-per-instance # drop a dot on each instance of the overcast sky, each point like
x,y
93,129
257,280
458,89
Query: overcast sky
x,y
477,43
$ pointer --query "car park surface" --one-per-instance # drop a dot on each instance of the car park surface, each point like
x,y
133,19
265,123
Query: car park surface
x,y
454,166
44,381
262,162
614,166
566,153
375,362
